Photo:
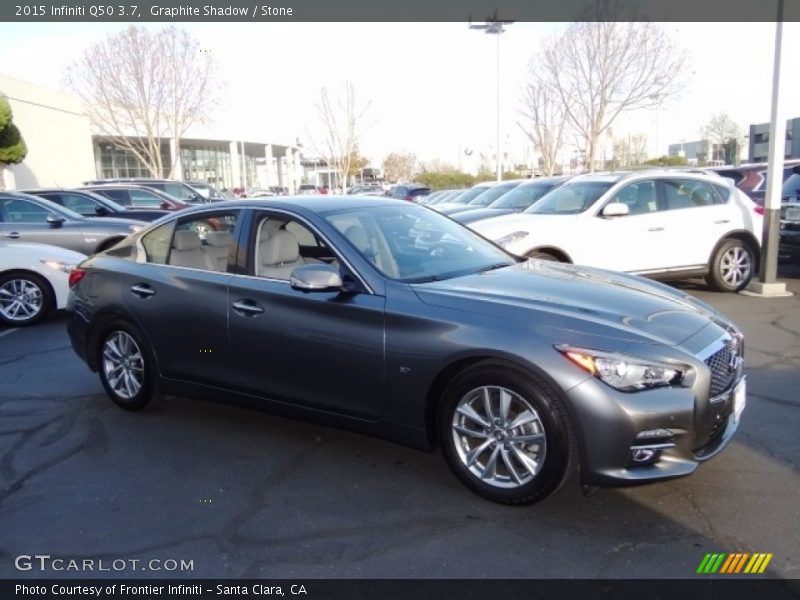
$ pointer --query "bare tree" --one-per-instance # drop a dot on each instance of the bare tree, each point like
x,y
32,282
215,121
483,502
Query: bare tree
x,y
399,166
723,134
601,67
140,86
545,118
341,120
631,150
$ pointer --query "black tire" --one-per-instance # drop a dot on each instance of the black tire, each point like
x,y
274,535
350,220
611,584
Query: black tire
x,y
544,255
559,451
39,293
731,267
147,389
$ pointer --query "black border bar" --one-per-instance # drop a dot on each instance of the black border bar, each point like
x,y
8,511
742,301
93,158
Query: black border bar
x,y
333,11
728,588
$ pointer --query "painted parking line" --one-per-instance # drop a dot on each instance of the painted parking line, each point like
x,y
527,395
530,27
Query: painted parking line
x,y
7,331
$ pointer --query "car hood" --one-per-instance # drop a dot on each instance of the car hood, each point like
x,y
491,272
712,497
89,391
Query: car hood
x,y
577,298
482,213
33,251
496,228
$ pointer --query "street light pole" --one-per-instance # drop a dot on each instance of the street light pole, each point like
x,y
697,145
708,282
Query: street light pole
x,y
494,26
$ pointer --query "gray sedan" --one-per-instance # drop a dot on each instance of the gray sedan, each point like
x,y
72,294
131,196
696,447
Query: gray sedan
x,y
522,371
33,219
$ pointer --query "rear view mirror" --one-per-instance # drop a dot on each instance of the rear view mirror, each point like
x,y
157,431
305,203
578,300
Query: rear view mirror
x,y
316,278
615,209
101,211
55,221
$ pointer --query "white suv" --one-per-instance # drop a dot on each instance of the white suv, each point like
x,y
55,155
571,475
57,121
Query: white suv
x,y
662,224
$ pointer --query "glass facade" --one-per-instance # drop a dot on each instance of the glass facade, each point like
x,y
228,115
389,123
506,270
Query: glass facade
x,y
207,163
113,161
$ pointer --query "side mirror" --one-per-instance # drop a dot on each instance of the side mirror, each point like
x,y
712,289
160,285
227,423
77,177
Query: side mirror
x,y
55,221
616,209
101,211
165,205
316,278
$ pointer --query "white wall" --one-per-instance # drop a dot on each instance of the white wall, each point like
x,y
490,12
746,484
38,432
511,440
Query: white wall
x,y
57,133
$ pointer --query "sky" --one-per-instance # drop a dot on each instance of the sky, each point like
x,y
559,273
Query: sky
x,y
431,87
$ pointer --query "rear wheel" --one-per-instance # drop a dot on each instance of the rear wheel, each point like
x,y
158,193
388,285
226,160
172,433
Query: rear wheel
x,y
505,435
25,299
544,255
731,266
126,366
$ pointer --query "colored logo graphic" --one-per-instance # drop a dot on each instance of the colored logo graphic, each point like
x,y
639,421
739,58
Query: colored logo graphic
x,y
738,562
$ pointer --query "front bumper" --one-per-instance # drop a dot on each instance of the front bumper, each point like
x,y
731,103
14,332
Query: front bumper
x,y
693,430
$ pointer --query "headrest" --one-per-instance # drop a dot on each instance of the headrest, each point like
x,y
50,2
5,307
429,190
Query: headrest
x,y
186,240
281,247
358,237
218,238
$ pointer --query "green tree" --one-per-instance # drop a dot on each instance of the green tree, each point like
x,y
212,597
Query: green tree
x,y
445,179
667,161
12,147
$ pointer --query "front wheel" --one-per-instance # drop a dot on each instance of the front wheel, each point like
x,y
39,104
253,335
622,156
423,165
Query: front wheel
x,y
505,435
25,299
127,369
731,267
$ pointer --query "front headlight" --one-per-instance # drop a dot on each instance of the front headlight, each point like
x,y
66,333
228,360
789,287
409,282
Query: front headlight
x,y
623,372
58,265
507,240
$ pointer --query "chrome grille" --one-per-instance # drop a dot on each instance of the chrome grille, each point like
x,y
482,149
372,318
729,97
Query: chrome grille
x,y
725,366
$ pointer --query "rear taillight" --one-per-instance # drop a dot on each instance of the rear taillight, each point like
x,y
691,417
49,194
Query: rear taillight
x,y
759,210
76,275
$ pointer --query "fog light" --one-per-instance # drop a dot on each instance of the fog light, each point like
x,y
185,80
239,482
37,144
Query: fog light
x,y
644,455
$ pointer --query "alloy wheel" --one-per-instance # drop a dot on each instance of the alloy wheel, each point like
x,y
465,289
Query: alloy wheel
x,y
499,437
735,266
123,364
20,300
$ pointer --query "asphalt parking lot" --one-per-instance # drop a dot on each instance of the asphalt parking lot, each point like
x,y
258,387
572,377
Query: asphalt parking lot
x,y
246,494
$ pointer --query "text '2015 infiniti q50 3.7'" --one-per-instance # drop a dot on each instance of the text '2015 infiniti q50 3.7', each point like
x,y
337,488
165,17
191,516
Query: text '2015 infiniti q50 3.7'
x,y
333,309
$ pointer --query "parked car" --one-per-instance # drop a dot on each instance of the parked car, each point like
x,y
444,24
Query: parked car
x,y
663,224
752,179
411,192
207,191
32,219
446,197
483,199
465,197
308,188
514,201
523,372
89,204
137,196
178,190
33,281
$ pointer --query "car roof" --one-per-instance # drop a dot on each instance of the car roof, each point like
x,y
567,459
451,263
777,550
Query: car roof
x,y
315,204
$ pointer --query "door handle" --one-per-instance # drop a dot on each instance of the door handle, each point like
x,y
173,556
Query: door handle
x,y
13,235
247,308
656,229
722,222
143,290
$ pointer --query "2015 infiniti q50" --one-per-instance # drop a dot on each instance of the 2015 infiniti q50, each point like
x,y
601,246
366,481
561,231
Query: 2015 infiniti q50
x,y
391,319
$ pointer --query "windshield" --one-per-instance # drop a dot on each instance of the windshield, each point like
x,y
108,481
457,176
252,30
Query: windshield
x,y
522,196
179,191
470,194
791,187
570,199
414,244
492,194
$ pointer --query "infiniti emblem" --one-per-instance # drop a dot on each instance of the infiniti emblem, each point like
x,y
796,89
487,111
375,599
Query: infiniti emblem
x,y
735,362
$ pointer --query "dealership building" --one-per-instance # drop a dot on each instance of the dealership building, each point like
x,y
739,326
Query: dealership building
x,y
64,151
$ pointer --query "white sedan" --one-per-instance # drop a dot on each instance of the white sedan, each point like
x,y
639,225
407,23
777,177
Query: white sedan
x,y
34,280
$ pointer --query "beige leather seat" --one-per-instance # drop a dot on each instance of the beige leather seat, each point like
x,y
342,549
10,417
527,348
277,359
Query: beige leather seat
x,y
187,251
218,248
279,255
375,251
